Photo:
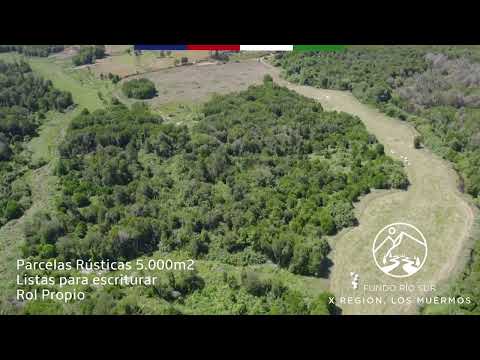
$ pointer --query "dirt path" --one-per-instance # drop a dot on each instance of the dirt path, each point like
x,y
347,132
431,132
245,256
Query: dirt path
x,y
42,182
432,203
11,235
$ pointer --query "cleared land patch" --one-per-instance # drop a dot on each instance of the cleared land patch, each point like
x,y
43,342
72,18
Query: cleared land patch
x,y
198,83
120,62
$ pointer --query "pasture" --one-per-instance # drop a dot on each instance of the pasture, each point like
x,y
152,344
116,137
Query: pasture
x,y
197,83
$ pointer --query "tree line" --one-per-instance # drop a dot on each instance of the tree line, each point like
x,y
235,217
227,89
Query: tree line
x,y
24,100
89,54
33,50
140,89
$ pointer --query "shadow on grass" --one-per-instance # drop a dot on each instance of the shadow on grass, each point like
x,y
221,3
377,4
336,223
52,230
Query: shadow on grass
x,y
325,267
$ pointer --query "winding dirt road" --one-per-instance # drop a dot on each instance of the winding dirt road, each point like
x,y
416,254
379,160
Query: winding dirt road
x,y
432,203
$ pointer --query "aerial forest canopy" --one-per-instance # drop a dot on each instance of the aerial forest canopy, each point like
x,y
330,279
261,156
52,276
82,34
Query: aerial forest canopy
x,y
266,175
22,95
436,89
89,54
24,99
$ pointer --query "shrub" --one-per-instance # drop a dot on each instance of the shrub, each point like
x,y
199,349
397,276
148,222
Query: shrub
x,y
253,284
5,151
88,55
13,210
81,200
139,89
417,142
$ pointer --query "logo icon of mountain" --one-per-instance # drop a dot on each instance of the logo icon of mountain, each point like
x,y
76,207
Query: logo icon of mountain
x,y
399,250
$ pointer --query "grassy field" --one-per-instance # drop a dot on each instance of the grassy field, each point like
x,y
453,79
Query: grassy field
x,y
432,203
43,184
84,86
123,63
197,83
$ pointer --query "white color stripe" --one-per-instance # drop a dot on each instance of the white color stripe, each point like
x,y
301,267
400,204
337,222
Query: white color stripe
x,y
266,47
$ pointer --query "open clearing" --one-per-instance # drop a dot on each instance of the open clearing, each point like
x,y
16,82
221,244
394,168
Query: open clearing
x,y
43,184
196,83
119,62
432,203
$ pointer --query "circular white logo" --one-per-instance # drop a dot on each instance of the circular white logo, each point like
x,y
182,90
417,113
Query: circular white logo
x,y
399,250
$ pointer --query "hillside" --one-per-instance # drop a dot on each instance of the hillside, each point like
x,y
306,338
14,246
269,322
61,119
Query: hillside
x,y
436,89
261,162
24,100
261,196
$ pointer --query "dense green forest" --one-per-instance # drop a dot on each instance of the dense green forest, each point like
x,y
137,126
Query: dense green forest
x,y
24,100
139,89
264,177
437,89
89,54
439,92
469,285
33,50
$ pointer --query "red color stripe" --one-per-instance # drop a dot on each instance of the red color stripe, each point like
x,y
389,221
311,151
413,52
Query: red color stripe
x,y
214,47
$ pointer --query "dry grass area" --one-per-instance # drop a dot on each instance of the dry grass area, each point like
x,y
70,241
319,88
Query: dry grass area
x,y
116,49
120,62
197,83
67,53
432,203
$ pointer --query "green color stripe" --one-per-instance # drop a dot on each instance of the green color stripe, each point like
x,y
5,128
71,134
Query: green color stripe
x,y
318,47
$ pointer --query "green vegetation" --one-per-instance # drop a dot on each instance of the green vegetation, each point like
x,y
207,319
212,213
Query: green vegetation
x,y
264,177
89,54
139,89
469,284
213,288
220,56
437,89
466,286
42,183
33,50
439,92
21,88
113,77
24,100
81,83
252,185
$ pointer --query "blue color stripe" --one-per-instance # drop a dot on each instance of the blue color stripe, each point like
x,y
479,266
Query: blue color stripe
x,y
160,47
